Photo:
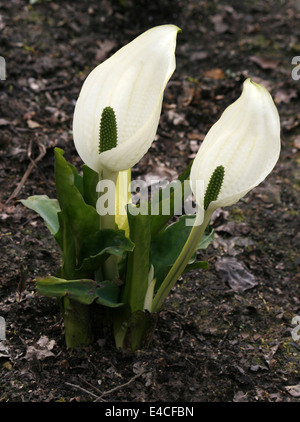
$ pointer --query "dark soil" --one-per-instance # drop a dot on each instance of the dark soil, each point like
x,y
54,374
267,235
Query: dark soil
x,y
217,339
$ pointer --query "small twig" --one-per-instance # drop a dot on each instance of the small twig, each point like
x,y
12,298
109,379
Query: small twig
x,y
54,87
105,393
222,341
28,171
78,387
33,217
90,385
118,387
43,150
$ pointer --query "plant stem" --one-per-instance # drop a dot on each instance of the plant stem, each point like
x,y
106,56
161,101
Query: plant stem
x,y
182,260
77,323
123,197
133,330
107,221
137,270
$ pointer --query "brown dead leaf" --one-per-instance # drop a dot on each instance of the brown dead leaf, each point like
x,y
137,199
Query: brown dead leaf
x,y
235,274
176,118
233,228
270,194
265,62
194,145
104,48
293,390
196,136
32,124
36,85
285,95
4,122
219,26
29,115
199,55
214,74
290,122
269,355
4,350
240,396
6,211
297,142
190,90
41,350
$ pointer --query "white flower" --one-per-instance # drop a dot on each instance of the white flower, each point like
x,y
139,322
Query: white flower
x,y
132,83
237,154
245,141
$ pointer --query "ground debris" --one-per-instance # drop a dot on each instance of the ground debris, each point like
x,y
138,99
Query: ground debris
x,y
224,334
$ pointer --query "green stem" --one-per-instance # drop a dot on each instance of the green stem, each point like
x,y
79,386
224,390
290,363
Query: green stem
x,y
107,221
110,266
123,197
137,270
78,331
133,330
182,260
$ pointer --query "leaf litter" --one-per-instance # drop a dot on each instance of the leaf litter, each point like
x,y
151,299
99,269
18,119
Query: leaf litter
x,y
215,341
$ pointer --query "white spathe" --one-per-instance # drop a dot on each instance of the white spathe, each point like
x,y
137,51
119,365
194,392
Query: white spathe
x,y
245,141
132,82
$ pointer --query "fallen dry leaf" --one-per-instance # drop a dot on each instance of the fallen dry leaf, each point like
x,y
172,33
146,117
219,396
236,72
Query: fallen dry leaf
x,y
4,350
190,91
214,74
41,350
293,390
297,142
4,122
196,136
233,228
235,274
285,95
104,48
219,25
269,194
265,62
32,124
199,55
36,85
176,118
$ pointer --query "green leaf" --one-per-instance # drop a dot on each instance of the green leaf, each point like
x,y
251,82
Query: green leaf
x,y
80,218
98,247
167,245
196,265
67,243
47,208
84,291
90,181
78,179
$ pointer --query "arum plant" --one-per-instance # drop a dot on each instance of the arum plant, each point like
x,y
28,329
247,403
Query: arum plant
x,y
119,263
237,154
115,121
125,95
